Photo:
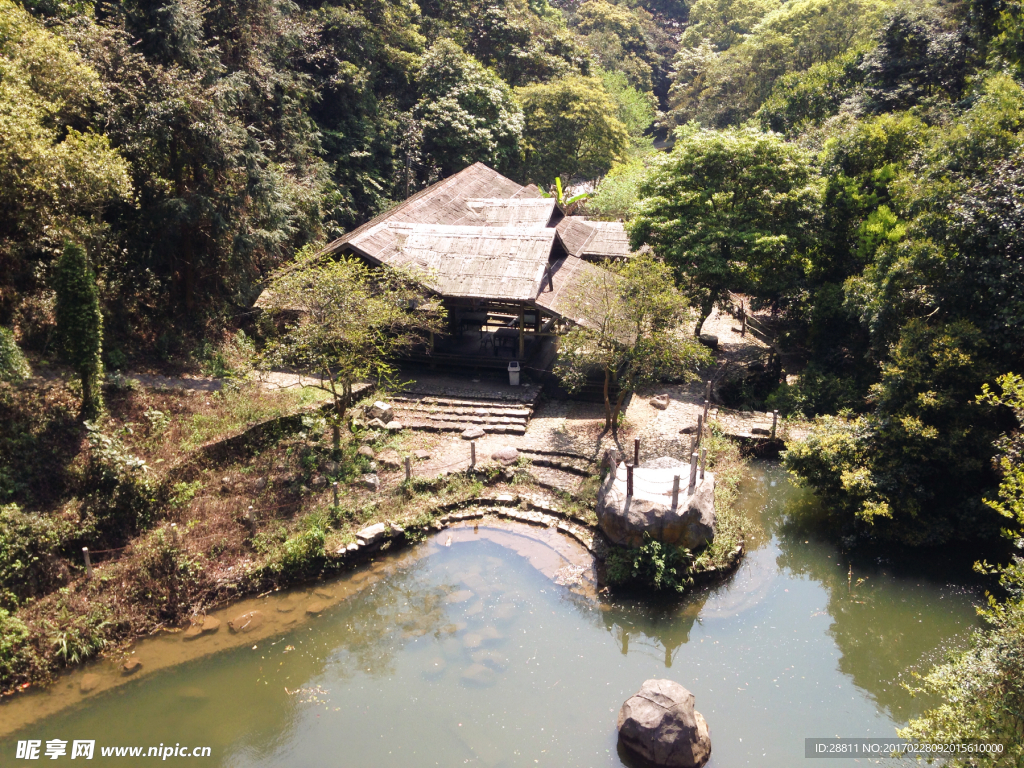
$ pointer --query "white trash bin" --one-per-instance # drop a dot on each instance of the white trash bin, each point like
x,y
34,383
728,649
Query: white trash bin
x,y
513,373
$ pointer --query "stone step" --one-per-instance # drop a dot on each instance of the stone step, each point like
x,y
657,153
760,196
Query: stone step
x,y
460,403
461,426
444,418
523,413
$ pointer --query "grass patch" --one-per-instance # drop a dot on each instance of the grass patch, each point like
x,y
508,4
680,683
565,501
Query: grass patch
x,y
729,466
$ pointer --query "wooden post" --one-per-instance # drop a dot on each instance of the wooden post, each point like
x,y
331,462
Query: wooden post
x,y
743,323
522,332
693,470
707,407
408,468
174,534
636,451
700,430
675,492
250,521
472,454
775,422
629,482
703,462
88,563
334,487
707,395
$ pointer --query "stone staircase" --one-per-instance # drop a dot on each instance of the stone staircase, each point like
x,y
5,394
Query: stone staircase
x,y
428,413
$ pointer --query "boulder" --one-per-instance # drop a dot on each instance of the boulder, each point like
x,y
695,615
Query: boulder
x,y
370,482
625,520
131,666
316,607
660,402
709,341
394,426
421,455
473,433
376,424
246,622
372,534
367,451
390,460
506,455
660,724
261,483
319,480
381,410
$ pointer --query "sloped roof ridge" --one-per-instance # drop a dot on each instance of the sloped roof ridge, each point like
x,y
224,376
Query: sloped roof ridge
x,y
433,189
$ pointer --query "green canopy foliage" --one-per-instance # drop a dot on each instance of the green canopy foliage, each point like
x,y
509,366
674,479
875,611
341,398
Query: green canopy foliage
x,y
80,323
729,211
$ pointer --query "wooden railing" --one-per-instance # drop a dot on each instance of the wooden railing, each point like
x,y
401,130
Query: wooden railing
x,y
748,323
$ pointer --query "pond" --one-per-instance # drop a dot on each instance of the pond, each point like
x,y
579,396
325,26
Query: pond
x,y
467,652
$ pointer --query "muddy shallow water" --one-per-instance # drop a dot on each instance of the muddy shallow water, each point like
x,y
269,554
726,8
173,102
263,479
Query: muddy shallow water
x,y
487,646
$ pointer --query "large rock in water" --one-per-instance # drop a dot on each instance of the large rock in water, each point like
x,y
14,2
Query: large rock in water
x,y
624,520
660,724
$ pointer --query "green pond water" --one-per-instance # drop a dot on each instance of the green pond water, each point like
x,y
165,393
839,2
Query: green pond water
x,y
471,654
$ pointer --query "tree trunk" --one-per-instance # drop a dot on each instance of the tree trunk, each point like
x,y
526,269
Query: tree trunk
x,y
607,399
706,307
91,402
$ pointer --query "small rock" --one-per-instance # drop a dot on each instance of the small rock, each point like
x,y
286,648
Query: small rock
x,y
381,410
246,622
367,451
708,340
660,402
760,431
473,433
421,455
390,460
353,547
131,666
89,683
331,467
261,483
316,607
396,529
370,482
394,426
372,534
226,480
376,424
506,455
319,481
210,625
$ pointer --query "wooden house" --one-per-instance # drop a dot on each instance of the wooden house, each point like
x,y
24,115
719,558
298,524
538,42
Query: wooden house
x,y
504,260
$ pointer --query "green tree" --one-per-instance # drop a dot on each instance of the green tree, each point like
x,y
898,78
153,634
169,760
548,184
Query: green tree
x,y
729,210
345,324
467,113
13,365
572,129
80,324
633,333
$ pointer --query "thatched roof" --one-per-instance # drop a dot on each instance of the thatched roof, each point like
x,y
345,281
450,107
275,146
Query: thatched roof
x,y
573,280
458,261
594,240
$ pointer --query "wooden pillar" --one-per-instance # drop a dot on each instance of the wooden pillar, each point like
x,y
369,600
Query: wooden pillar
x,y
522,332
408,468
675,492
693,471
629,482
775,422
700,430
472,454
636,451
88,563
703,461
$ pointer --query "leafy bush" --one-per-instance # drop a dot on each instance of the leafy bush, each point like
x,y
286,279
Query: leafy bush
x,y
27,541
165,577
13,365
13,634
76,637
117,489
652,564
815,392
304,551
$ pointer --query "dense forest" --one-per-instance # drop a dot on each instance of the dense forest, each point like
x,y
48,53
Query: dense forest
x,y
854,167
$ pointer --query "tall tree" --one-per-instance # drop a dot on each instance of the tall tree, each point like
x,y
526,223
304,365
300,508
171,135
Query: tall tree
x,y
572,129
729,211
345,324
80,324
467,113
632,333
